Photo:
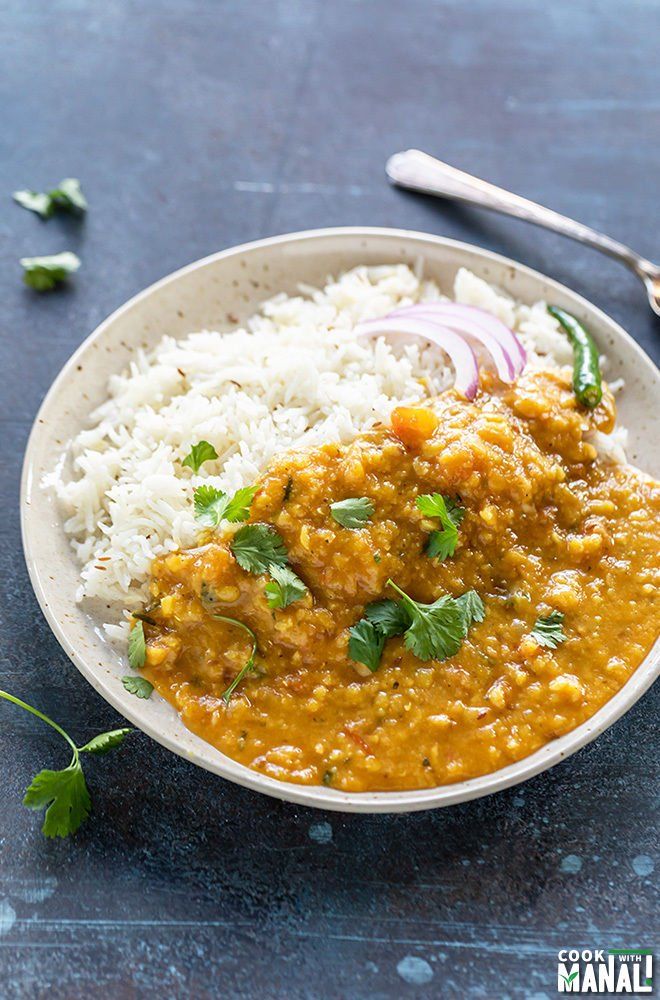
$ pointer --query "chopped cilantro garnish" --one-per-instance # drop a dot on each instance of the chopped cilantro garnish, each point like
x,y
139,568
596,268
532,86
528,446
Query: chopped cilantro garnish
x,y
139,686
66,197
63,794
213,506
44,273
548,631
389,618
137,647
436,630
198,454
35,201
472,608
365,644
257,547
441,544
353,512
284,587
431,631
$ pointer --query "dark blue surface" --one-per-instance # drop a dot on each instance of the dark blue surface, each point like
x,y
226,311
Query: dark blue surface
x,y
194,126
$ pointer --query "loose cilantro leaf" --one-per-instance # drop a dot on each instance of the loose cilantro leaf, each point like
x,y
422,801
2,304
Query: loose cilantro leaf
x,y
44,273
284,588
365,644
35,201
249,665
105,741
472,608
548,631
198,454
213,506
67,197
63,794
139,686
389,618
137,646
436,630
441,544
257,547
352,513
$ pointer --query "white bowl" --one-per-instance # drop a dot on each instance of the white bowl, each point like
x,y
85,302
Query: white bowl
x,y
215,293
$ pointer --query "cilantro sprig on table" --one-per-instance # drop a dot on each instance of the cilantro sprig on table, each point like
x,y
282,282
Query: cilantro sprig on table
x,y
431,631
64,794
549,631
441,544
66,197
44,273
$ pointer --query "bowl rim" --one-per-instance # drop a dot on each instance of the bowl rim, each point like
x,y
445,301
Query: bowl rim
x,y
315,795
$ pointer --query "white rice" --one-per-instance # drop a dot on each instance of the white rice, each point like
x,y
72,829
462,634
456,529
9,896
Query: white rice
x,y
295,376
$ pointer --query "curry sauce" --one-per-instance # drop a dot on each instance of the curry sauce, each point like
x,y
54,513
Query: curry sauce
x,y
547,526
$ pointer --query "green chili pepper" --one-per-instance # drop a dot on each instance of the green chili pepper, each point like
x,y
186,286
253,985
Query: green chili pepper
x,y
587,383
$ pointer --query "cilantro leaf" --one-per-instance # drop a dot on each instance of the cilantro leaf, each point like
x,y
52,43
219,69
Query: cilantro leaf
x,y
548,631
210,505
389,618
284,588
137,646
67,196
436,630
213,506
35,201
472,608
435,505
63,794
139,686
106,741
238,508
366,644
65,797
257,547
44,273
198,454
441,544
353,512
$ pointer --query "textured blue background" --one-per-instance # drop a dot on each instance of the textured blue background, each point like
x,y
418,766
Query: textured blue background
x,y
193,126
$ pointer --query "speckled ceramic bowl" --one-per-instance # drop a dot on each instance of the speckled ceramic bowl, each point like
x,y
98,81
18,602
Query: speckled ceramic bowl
x,y
214,293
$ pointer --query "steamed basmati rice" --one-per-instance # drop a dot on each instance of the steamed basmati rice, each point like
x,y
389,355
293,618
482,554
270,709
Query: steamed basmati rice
x,y
295,376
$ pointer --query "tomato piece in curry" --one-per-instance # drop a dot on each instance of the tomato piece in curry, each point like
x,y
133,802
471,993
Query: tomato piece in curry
x,y
548,526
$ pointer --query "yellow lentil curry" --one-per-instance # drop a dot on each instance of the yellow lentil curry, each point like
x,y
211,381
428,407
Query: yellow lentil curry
x,y
545,530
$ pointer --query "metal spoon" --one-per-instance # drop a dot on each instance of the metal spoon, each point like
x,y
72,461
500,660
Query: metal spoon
x,y
421,172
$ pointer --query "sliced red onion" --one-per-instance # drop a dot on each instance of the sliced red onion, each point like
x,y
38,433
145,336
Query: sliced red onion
x,y
460,353
504,362
458,316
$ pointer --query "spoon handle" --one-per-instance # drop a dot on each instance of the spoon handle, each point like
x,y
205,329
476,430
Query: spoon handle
x,y
421,172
